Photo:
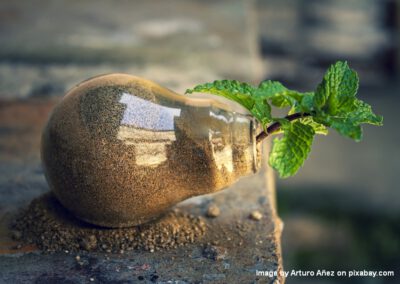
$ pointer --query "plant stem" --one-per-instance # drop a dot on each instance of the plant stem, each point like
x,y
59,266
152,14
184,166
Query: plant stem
x,y
276,126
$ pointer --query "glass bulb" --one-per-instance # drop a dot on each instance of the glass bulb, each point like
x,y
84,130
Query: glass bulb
x,y
119,150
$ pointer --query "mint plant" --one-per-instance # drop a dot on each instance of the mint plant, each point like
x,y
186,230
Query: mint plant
x,y
332,105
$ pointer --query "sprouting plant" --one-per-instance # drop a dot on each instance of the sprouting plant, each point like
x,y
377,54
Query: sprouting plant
x,y
333,104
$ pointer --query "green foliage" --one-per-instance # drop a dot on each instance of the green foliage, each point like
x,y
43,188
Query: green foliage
x,y
333,104
242,93
337,90
317,127
289,152
336,105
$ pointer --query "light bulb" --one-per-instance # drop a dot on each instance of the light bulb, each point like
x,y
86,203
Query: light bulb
x,y
120,151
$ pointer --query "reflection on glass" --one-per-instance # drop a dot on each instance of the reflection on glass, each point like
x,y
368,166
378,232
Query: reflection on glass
x,y
141,113
147,126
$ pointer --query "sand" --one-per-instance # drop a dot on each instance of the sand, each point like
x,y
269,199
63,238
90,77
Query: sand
x,y
46,224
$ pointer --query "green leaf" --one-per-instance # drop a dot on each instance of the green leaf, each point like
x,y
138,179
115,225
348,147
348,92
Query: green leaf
x,y
281,101
348,124
242,93
306,107
321,96
363,114
304,103
278,94
289,152
337,90
233,90
318,127
287,98
262,111
270,88
307,102
346,127
274,92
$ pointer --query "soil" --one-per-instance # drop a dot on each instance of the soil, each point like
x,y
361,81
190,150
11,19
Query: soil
x,y
214,252
46,224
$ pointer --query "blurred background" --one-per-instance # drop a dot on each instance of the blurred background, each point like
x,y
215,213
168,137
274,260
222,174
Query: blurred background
x,y
342,210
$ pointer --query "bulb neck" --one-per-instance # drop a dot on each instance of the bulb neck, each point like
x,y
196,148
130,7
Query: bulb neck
x,y
247,158
234,151
255,129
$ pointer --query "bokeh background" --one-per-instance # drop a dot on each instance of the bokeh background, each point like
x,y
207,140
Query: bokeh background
x,y
342,210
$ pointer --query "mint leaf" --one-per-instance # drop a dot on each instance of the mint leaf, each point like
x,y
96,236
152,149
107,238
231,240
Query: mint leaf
x,y
242,93
363,114
275,92
318,127
336,105
239,92
344,126
303,102
279,95
305,106
262,111
289,152
337,90
349,123
270,88
306,103
287,98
